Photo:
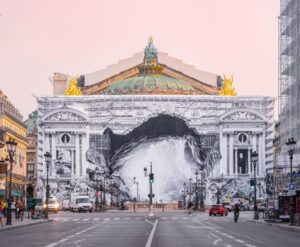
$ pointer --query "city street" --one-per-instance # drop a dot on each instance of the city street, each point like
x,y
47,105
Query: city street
x,y
134,229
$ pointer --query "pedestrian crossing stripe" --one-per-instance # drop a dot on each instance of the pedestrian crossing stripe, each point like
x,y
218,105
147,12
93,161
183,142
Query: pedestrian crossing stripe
x,y
78,220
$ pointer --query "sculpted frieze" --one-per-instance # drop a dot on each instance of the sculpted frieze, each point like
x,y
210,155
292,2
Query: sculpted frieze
x,y
64,116
242,116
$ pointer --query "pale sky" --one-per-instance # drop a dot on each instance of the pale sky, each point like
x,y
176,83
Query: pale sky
x,y
38,38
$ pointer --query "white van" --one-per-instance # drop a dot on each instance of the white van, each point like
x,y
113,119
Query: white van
x,y
81,204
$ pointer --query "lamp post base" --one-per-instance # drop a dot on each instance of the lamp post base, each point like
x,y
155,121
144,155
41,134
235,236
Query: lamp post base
x,y
151,214
256,215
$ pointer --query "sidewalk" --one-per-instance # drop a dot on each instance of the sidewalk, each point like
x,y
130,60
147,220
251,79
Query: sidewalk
x,y
281,225
20,224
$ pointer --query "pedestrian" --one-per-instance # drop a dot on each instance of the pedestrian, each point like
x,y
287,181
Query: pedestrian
x,y
236,212
17,210
1,213
21,211
190,207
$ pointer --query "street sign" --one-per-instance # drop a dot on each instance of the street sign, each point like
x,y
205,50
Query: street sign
x,y
292,187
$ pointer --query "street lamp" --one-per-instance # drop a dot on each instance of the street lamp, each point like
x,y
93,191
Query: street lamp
x,y
111,185
96,178
202,206
47,156
151,181
184,195
137,188
220,180
291,144
190,194
254,158
11,148
196,190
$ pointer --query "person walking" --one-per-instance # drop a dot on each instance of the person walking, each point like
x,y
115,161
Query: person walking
x,y
190,207
236,212
1,213
21,211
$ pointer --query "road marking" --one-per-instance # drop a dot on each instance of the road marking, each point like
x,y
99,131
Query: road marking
x,y
72,236
86,219
240,241
174,218
97,219
75,220
149,242
217,239
116,218
149,222
250,245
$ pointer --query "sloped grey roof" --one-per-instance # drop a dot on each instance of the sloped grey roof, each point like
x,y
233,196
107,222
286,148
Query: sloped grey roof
x,y
163,58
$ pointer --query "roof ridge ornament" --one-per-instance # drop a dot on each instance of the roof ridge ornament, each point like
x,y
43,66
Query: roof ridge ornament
x,y
150,53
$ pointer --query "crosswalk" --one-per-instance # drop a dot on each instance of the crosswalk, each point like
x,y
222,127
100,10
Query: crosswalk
x,y
170,218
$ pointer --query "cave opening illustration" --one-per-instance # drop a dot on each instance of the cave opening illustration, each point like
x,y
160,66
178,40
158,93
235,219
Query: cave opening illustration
x,y
175,150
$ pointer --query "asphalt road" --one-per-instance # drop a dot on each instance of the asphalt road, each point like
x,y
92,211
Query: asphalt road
x,y
136,230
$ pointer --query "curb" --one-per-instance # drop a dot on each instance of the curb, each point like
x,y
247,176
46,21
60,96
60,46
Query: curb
x,y
23,226
294,229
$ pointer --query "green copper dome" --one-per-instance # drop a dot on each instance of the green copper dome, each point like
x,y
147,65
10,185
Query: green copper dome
x,y
150,83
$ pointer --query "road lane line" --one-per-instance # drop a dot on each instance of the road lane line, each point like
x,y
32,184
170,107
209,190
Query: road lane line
x,y
72,236
149,222
149,242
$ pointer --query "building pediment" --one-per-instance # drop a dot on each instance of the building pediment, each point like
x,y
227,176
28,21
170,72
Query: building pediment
x,y
242,116
65,116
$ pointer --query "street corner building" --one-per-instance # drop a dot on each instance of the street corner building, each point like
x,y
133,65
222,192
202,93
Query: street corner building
x,y
153,108
12,128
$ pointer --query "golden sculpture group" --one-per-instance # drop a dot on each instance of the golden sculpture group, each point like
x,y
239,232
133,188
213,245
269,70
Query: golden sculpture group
x,y
73,89
228,89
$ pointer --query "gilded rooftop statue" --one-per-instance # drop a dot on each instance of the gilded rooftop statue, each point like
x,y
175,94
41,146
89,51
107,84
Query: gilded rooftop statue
x,y
228,89
73,89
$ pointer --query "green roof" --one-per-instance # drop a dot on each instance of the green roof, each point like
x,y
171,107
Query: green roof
x,y
150,83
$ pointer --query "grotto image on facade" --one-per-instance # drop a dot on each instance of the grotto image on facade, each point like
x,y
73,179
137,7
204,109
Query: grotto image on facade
x,y
105,127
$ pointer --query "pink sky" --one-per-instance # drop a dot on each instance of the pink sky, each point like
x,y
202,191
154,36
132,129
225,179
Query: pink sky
x,y
38,38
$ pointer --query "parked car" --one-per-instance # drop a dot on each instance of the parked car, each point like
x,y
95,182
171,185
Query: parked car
x,y
218,209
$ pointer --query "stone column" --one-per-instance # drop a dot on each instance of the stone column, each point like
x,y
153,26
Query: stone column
x,y
236,161
231,164
253,146
263,153
249,161
53,153
77,163
223,151
85,147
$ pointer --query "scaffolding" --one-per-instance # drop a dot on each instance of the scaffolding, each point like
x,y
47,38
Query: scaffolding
x,y
289,64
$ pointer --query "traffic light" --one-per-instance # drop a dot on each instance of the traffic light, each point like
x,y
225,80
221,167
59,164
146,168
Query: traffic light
x,y
151,178
252,183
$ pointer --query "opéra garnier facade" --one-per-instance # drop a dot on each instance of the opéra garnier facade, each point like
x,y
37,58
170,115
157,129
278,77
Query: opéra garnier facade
x,y
148,101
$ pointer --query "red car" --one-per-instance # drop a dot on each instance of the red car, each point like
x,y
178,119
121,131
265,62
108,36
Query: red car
x,y
218,209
